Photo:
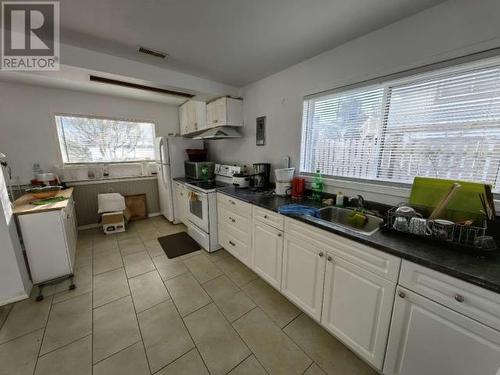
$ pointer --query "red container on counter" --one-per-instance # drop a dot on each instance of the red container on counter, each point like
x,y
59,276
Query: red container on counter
x,y
298,187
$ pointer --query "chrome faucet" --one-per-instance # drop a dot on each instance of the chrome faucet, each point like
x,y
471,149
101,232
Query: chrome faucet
x,y
359,200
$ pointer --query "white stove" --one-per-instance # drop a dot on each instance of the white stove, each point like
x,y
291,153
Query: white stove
x,y
202,209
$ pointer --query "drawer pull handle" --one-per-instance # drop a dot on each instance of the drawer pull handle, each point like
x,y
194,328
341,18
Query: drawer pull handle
x,y
329,258
232,243
230,218
321,254
232,202
279,234
459,298
265,216
402,294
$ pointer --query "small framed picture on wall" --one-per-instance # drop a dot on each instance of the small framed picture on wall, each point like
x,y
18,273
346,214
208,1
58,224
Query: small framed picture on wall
x,y
260,131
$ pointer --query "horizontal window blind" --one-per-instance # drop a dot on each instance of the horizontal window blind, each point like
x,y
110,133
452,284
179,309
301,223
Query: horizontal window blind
x,y
97,140
440,124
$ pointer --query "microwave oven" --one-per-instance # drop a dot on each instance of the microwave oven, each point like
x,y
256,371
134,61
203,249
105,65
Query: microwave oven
x,y
193,169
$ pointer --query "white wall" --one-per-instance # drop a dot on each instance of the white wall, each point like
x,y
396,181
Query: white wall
x,y
28,131
452,29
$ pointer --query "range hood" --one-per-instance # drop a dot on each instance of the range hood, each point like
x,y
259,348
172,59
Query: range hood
x,y
221,132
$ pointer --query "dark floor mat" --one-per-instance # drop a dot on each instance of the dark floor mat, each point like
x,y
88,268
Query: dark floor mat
x,y
175,245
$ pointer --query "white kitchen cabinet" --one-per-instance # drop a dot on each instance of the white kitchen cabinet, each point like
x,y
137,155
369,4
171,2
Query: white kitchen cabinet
x,y
357,308
50,241
431,339
181,202
303,274
225,112
267,253
192,117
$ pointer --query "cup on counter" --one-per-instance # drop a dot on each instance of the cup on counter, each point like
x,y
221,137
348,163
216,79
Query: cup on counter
x,y
442,229
407,211
400,224
420,226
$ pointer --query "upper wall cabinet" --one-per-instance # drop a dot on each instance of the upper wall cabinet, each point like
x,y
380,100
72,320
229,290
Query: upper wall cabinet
x,y
192,117
225,112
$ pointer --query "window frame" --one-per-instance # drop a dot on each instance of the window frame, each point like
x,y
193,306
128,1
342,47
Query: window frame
x,y
456,65
99,117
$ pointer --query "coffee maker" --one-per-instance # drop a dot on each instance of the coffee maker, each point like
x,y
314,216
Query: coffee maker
x,y
260,176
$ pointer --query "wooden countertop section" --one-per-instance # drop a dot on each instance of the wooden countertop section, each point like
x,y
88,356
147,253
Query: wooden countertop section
x,y
22,204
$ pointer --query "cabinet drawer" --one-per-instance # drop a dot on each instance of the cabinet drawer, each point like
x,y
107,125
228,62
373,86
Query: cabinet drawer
x,y
269,217
234,219
235,205
368,258
243,235
230,240
475,302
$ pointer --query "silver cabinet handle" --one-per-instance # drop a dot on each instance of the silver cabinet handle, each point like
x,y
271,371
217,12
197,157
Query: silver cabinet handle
x,y
232,202
401,294
459,298
329,258
279,234
232,243
321,254
230,218
265,216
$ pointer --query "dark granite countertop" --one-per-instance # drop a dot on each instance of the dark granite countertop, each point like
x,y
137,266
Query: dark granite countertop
x,y
479,269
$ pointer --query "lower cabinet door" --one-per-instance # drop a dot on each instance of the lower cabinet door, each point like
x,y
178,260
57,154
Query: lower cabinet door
x,y
303,275
357,308
428,338
267,253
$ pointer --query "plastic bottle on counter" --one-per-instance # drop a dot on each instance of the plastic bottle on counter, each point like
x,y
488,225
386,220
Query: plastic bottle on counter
x,y
317,186
339,200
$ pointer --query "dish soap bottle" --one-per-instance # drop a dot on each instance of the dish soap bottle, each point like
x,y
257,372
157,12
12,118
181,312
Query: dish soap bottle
x,y
339,200
317,186
204,173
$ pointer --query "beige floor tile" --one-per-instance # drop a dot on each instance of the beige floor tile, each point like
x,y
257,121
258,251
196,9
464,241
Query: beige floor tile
x,y
72,359
220,346
154,248
220,288
107,262
130,240
187,294
166,230
4,312
249,366
236,306
68,321
18,357
274,350
165,336
130,361
110,286
168,268
115,328
132,248
277,307
104,246
148,290
83,283
218,255
138,263
25,316
236,270
229,298
189,364
331,355
314,370
192,254
148,234
202,268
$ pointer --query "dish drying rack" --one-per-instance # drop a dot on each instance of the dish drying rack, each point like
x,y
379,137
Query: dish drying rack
x,y
458,234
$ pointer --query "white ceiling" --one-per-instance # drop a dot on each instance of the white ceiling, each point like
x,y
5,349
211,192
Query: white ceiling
x,y
230,41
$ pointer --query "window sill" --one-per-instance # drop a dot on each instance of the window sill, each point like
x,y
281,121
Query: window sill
x,y
108,180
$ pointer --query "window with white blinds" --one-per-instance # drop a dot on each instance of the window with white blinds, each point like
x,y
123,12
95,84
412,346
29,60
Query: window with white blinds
x,y
443,124
99,140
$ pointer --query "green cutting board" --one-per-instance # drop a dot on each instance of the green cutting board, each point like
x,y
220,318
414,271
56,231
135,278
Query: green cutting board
x,y
464,205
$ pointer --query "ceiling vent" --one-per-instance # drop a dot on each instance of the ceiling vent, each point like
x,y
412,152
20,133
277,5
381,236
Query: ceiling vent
x,y
152,52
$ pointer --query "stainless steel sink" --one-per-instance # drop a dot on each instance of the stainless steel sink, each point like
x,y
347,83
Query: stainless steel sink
x,y
337,216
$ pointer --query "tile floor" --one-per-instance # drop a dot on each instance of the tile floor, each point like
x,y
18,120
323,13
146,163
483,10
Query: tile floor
x,y
136,312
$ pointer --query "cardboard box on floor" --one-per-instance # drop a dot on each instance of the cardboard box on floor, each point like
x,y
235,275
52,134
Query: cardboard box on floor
x,y
113,222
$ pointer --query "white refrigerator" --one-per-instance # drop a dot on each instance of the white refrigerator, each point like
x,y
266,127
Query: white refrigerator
x,y
170,156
